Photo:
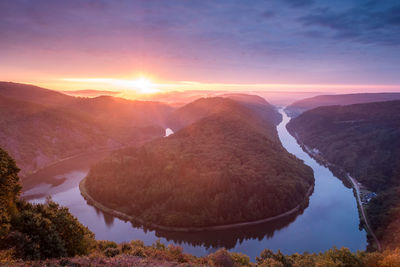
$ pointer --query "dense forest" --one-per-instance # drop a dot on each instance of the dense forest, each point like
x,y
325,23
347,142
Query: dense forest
x,y
203,107
364,140
40,126
300,106
226,167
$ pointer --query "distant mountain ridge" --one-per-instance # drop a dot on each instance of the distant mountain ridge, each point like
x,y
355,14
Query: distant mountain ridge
x,y
204,107
34,94
300,106
91,93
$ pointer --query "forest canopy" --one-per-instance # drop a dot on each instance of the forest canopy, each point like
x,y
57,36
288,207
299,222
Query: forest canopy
x,y
364,140
36,231
226,167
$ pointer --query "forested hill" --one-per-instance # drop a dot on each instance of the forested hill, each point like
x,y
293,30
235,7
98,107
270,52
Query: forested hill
x,y
34,94
40,126
300,106
226,167
206,106
259,105
364,139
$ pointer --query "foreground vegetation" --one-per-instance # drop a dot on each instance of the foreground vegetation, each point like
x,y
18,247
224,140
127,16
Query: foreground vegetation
x,y
36,231
135,253
364,140
227,167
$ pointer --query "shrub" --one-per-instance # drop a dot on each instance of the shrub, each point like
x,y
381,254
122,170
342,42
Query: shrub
x,y
391,258
37,231
138,251
343,256
7,256
35,237
240,259
77,238
9,191
111,252
176,252
125,247
48,231
221,258
158,245
267,256
104,244
270,262
137,243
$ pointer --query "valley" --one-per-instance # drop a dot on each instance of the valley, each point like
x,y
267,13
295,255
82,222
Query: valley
x,y
360,142
40,127
200,133
228,153
337,202
247,121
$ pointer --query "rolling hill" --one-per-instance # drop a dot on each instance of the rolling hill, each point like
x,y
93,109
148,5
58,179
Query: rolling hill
x,y
225,165
34,94
300,106
364,140
203,107
40,126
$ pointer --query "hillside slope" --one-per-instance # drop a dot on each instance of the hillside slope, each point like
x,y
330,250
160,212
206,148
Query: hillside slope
x,y
203,107
300,106
226,167
39,126
34,94
364,140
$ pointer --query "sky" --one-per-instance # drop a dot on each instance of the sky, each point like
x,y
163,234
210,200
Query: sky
x,y
306,45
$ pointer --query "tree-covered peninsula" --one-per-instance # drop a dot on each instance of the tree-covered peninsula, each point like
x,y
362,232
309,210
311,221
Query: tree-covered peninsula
x,y
227,166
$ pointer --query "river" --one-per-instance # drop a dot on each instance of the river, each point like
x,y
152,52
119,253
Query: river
x,y
330,218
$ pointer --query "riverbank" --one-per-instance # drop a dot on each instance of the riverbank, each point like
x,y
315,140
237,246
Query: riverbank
x,y
354,186
361,206
101,149
58,161
330,209
121,215
29,181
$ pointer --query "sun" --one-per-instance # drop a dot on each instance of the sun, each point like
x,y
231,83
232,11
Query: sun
x,y
144,86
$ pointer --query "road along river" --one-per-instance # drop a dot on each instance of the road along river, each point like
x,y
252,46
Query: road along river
x,y
330,218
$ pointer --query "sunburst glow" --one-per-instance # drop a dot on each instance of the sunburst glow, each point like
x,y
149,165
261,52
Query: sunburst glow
x,y
144,86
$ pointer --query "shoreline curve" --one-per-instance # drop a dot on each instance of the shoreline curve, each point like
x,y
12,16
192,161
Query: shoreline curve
x,y
354,186
127,217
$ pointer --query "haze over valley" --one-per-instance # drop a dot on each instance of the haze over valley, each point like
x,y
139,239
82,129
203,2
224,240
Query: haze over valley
x,y
200,133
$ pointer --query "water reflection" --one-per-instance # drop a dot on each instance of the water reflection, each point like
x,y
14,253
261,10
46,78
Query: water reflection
x,y
222,238
328,218
230,238
54,175
168,132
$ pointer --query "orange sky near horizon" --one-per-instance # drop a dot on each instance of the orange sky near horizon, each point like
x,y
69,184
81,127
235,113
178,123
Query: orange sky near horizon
x,y
200,45
158,86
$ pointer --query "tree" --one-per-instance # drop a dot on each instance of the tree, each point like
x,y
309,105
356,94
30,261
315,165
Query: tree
x,y
50,230
9,191
37,231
